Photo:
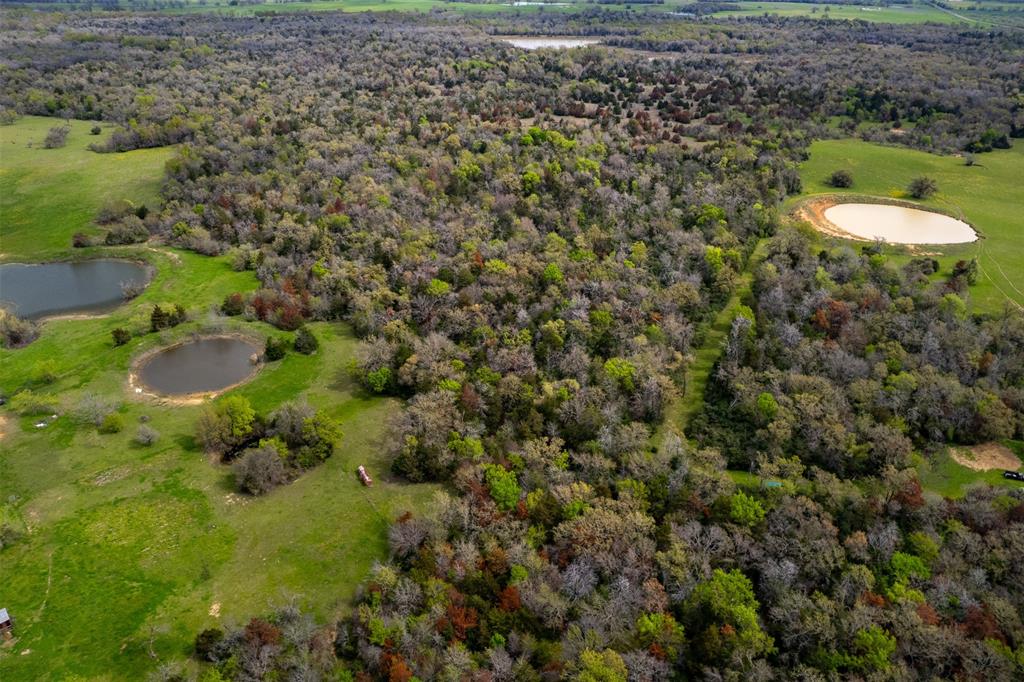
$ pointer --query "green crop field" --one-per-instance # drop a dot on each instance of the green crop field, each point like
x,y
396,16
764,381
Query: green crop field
x,y
987,195
127,551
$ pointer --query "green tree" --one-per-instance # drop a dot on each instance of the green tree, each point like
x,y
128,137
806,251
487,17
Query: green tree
x,y
726,610
745,510
606,666
503,486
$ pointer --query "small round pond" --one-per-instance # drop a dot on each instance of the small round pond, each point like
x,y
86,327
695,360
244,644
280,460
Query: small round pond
x,y
32,291
201,366
899,224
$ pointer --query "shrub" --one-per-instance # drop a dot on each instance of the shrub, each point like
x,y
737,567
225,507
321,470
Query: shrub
x,y
146,435
259,471
305,341
15,332
92,408
57,137
130,230
275,348
922,187
206,643
841,178
120,336
28,402
81,240
44,372
233,305
112,423
95,130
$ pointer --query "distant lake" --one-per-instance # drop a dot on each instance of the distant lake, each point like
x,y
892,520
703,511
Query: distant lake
x,y
32,291
536,43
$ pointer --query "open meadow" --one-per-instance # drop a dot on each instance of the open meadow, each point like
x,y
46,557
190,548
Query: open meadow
x,y
125,550
987,195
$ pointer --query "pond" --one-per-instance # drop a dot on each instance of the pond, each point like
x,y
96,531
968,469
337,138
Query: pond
x,y
37,290
199,366
528,43
899,224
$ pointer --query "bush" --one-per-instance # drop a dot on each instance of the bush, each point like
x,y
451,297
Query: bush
x,y
120,335
131,230
15,332
207,642
112,423
922,187
44,372
57,137
259,471
95,130
233,305
28,402
305,341
81,240
275,348
92,408
841,178
146,435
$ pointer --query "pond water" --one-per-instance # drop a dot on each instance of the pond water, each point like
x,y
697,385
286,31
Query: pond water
x,y
559,43
32,291
199,366
899,224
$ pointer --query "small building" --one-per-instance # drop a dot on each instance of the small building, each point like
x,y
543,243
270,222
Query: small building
x,y
364,477
5,624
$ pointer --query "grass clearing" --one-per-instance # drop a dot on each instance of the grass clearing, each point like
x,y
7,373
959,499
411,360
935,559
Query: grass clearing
x,y
943,475
986,195
894,14
130,550
46,195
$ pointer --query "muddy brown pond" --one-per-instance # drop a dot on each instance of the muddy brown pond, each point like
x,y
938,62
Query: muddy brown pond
x,y
199,366
38,290
899,224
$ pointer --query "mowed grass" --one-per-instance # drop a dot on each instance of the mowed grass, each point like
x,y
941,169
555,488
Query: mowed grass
x,y
988,195
46,195
941,473
131,550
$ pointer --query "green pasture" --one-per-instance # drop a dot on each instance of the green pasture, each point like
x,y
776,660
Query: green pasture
x,y
893,14
987,195
127,551
46,195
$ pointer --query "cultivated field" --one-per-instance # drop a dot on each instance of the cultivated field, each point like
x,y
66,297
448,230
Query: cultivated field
x,y
128,550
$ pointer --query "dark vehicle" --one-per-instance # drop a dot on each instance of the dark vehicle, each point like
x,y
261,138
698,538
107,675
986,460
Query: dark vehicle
x,y
1014,475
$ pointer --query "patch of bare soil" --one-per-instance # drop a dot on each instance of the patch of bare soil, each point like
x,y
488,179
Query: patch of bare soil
x,y
3,426
986,456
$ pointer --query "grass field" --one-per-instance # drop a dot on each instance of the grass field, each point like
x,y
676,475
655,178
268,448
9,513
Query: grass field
x,y
988,195
130,550
46,195
941,474
993,13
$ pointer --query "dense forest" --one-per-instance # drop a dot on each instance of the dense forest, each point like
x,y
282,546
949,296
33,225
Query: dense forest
x,y
530,245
